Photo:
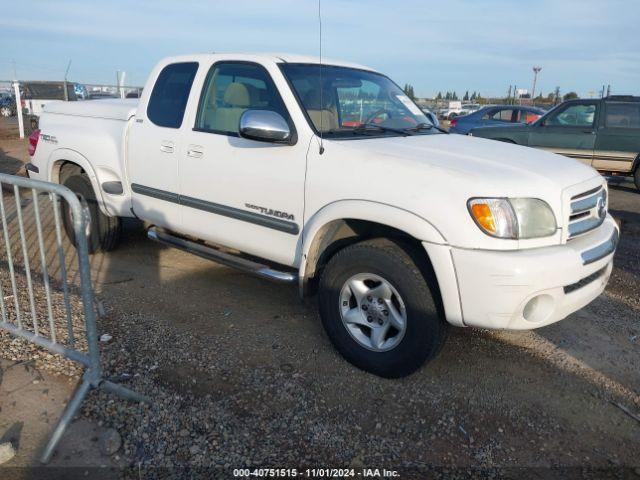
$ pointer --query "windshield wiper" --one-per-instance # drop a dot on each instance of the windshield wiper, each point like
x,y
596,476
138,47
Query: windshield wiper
x,y
424,126
368,127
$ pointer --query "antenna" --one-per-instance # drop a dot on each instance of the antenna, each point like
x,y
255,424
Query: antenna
x,y
320,71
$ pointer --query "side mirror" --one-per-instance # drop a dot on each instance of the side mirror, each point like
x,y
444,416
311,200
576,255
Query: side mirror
x,y
264,126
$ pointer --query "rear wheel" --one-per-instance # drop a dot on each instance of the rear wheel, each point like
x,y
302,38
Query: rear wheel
x,y
636,176
378,309
5,111
103,232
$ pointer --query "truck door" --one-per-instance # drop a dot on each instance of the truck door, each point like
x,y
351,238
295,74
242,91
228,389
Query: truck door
x,y
618,142
241,193
569,131
154,146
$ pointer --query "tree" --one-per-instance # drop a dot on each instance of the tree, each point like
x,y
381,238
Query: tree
x,y
570,96
408,89
473,96
439,97
466,96
447,96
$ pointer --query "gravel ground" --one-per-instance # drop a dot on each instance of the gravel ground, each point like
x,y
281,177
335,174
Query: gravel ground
x,y
245,381
242,375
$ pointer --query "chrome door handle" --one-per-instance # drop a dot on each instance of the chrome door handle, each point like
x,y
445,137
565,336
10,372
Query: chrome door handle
x,y
195,151
166,147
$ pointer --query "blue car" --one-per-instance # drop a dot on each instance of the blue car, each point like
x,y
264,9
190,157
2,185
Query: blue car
x,y
495,115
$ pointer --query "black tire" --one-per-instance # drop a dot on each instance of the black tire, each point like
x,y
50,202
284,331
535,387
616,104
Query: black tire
x,y
104,232
636,176
426,330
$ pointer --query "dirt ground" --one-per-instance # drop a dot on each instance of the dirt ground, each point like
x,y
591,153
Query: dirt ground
x,y
246,370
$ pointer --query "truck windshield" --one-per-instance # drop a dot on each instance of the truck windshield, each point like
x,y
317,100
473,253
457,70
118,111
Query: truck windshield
x,y
354,103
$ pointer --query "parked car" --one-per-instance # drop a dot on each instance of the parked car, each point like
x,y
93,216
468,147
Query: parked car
x,y
81,91
401,229
603,133
469,108
35,95
7,105
495,115
456,109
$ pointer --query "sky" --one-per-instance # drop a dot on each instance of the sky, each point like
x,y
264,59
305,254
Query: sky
x,y
457,45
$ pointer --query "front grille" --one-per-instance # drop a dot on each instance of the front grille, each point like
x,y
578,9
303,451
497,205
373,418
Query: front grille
x,y
585,281
588,211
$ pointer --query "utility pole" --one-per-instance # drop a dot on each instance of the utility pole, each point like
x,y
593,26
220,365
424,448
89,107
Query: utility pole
x,y
509,96
536,70
121,77
16,91
66,72
608,90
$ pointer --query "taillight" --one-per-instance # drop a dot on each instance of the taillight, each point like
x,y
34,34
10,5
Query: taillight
x,y
33,141
453,122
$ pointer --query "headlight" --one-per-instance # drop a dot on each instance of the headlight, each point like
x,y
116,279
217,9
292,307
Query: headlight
x,y
513,218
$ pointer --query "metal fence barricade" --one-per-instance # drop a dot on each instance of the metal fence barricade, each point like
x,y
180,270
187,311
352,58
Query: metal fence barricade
x,y
35,292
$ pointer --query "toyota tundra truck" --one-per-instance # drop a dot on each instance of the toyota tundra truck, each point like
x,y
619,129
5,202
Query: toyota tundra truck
x,y
326,175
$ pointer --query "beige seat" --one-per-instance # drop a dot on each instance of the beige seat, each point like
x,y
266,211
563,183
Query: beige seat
x,y
226,118
321,115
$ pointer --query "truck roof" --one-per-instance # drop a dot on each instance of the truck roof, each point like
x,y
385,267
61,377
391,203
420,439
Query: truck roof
x,y
621,98
261,57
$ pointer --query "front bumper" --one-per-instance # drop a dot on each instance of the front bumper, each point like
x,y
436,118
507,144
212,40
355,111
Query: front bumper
x,y
525,289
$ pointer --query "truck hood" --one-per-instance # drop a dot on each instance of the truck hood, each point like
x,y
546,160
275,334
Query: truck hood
x,y
504,168
434,176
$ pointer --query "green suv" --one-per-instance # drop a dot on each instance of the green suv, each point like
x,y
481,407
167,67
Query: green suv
x,y
603,133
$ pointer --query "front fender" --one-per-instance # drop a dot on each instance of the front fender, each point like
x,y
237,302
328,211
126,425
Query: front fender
x,y
366,210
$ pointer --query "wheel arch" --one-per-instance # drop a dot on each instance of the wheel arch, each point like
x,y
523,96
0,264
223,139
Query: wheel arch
x,y
345,222
64,156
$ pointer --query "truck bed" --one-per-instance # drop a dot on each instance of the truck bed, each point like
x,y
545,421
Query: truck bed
x,y
112,109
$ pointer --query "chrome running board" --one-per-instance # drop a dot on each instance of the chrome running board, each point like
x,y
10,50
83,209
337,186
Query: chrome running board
x,y
218,256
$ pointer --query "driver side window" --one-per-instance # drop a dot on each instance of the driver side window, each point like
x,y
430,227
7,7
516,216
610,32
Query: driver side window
x,y
229,90
577,115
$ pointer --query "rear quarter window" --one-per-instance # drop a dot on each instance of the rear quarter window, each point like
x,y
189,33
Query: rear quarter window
x,y
623,115
170,94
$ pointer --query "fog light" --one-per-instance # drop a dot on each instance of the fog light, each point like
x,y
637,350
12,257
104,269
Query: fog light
x,y
538,309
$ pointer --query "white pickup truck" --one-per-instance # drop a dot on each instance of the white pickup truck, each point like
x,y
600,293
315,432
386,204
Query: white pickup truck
x,y
330,176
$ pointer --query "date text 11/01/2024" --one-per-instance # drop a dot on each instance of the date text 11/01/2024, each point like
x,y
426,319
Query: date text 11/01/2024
x,y
316,473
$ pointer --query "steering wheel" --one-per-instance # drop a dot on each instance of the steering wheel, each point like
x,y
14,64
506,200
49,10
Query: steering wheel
x,y
376,114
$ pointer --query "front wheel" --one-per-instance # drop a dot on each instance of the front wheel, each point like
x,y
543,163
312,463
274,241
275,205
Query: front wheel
x,y
5,111
103,232
378,309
